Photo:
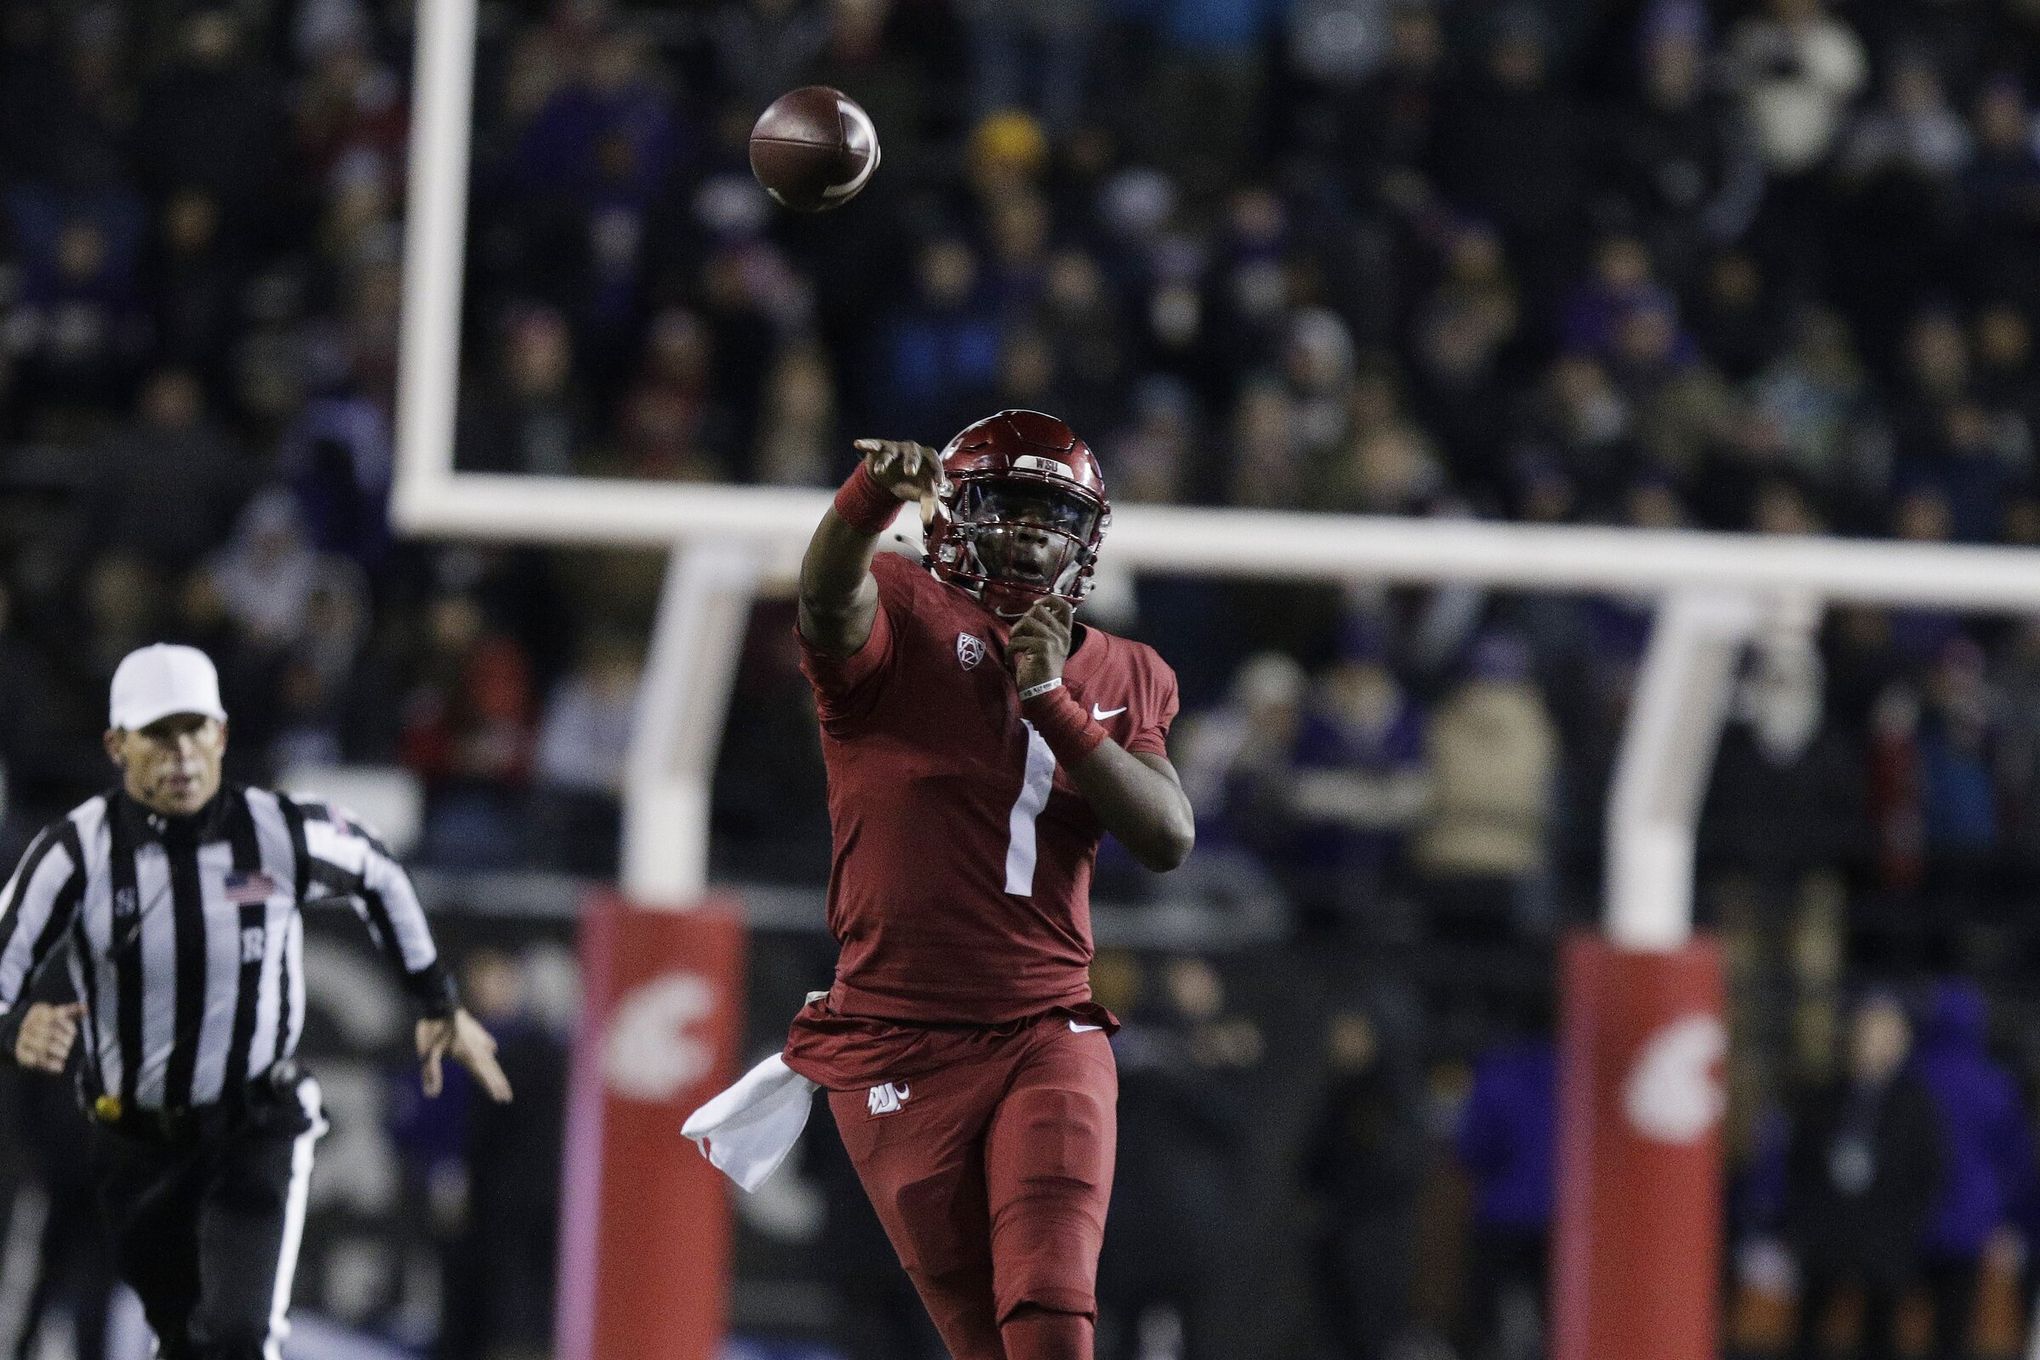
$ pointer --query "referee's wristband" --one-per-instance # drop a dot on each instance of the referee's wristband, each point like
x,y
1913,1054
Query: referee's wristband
x,y
1036,691
434,990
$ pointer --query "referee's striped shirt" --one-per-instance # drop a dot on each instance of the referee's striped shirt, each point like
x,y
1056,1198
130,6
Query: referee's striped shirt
x,y
187,946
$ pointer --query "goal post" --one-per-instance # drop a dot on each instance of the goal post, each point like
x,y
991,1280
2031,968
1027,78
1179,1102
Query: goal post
x,y
729,545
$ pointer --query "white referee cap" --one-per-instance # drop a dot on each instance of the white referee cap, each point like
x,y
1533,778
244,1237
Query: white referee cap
x,y
155,682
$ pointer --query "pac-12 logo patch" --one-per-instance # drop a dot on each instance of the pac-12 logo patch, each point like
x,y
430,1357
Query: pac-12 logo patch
x,y
970,649
887,1097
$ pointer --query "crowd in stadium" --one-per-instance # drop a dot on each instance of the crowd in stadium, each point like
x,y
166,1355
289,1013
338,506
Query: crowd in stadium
x,y
1765,267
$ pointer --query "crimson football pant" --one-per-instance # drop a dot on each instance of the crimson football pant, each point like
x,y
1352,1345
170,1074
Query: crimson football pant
x,y
991,1177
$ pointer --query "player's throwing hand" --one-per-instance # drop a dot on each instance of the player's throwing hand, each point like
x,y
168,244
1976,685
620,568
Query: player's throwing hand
x,y
1040,642
910,471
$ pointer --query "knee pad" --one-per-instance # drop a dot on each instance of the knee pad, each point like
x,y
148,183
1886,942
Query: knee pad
x,y
1054,1179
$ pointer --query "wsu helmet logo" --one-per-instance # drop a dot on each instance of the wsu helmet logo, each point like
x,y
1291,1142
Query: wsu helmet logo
x,y
970,649
1674,1094
651,1052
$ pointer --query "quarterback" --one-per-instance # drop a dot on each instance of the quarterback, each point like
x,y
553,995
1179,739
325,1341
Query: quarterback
x,y
979,742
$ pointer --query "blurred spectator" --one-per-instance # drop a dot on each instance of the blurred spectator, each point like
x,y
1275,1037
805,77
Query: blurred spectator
x,y
266,573
1234,760
1987,1157
1030,54
1506,1141
1204,87
1862,1167
2001,193
468,733
940,351
1685,163
534,422
800,439
1781,750
583,744
1358,783
1512,148
60,1283
78,326
339,461
669,420
762,47
1179,1053
44,761
198,283
167,485
211,121
1796,67
1958,791
1363,1166
1493,756
500,1270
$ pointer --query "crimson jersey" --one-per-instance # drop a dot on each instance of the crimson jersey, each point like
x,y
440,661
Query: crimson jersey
x,y
959,886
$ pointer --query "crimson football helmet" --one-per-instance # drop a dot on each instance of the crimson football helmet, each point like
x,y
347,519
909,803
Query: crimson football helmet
x,y
1023,515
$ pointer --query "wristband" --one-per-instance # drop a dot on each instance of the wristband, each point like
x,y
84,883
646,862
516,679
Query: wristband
x,y
864,505
1071,733
1036,691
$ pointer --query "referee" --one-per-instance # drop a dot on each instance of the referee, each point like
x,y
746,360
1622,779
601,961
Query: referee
x,y
180,900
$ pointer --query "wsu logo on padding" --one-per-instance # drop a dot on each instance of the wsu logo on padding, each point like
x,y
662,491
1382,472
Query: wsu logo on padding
x,y
650,1052
1674,1094
970,649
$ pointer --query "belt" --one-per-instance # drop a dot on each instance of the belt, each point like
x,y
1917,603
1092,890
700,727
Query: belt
x,y
188,1123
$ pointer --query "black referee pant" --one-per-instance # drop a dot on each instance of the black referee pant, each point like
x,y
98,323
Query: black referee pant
x,y
206,1210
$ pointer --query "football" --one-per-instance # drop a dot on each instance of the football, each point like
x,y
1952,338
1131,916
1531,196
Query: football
x,y
814,149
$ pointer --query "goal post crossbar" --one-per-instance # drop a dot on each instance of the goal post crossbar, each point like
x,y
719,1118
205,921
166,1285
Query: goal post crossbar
x,y
1266,543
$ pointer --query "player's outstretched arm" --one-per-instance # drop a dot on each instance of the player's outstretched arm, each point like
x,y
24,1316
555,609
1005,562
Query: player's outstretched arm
x,y
838,596
1137,796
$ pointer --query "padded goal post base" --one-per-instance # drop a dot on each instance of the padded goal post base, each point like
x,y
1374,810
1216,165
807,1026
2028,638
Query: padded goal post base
x,y
645,1220
1637,1258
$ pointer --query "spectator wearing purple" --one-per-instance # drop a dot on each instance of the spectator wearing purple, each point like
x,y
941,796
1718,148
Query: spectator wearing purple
x,y
1989,1155
1358,784
79,327
1506,1143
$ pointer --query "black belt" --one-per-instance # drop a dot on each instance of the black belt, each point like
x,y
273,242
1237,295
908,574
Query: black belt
x,y
191,1123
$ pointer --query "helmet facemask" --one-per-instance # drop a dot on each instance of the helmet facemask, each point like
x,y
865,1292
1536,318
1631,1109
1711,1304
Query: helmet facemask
x,y
1020,538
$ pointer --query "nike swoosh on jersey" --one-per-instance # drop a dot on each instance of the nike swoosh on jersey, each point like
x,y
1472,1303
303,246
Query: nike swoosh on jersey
x,y
1101,714
1076,1028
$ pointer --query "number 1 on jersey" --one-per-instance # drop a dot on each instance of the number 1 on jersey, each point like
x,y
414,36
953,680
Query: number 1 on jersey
x,y
1034,787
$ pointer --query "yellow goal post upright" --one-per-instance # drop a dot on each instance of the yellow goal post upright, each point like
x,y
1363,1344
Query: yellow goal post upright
x,y
730,545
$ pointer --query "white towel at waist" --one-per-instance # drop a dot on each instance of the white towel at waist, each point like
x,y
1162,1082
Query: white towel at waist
x,y
747,1131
